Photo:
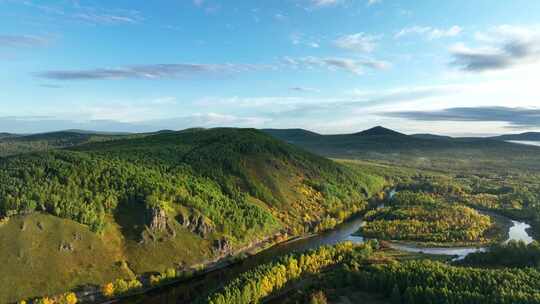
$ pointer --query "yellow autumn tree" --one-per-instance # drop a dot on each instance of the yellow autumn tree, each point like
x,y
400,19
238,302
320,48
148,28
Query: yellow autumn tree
x,y
108,289
45,300
70,298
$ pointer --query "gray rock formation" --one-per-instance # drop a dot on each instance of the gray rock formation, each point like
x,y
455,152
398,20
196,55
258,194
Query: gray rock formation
x,y
158,220
222,246
195,222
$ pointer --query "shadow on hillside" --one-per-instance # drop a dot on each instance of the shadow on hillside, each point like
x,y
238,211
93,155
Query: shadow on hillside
x,y
131,217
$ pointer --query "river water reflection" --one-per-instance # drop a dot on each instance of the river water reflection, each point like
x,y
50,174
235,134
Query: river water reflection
x,y
518,232
185,292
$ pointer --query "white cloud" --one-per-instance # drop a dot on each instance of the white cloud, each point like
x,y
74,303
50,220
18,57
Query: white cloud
x,y
322,3
356,66
152,71
73,10
501,48
373,2
351,110
359,42
22,41
430,32
300,39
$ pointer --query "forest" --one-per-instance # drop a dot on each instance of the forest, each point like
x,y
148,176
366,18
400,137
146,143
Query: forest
x,y
161,201
370,271
418,216
158,208
183,169
512,254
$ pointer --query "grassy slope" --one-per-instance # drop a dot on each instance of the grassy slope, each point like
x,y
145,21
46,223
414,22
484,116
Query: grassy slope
x,y
277,177
33,264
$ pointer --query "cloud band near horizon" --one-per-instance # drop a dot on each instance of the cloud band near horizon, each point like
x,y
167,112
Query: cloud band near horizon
x,y
515,117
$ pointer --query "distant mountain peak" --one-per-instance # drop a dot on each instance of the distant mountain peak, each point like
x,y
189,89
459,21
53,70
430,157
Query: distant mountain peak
x,y
379,131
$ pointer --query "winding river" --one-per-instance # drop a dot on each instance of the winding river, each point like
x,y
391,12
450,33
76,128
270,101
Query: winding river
x,y
185,292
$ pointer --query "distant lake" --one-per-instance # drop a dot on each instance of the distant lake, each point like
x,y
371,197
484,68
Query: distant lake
x,y
525,142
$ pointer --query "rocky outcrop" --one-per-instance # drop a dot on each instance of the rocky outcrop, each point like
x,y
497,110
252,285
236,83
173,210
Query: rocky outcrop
x,y
158,221
195,222
66,247
222,246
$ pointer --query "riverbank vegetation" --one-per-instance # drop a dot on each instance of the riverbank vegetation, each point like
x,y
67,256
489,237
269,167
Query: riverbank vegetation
x,y
380,278
418,216
268,279
511,254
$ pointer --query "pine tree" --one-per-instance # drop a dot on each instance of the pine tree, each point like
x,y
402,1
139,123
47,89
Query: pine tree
x,y
395,297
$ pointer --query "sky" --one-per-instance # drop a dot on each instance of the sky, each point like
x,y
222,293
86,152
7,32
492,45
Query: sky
x,y
331,66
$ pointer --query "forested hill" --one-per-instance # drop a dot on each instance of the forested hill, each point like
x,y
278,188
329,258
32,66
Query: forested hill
x,y
385,144
7,135
173,198
380,139
82,182
11,144
528,136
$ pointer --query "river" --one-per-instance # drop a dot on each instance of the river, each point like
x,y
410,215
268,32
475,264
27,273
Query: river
x,y
185,292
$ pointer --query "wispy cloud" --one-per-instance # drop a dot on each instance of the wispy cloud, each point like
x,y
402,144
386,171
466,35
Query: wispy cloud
x,y
155,71
186,70
209,120
515,117
304,89
209,8
373,2
300,39
14,41
33,124
344,105
323,3
356,66
75,11
360,42
503,47
429,32
101,18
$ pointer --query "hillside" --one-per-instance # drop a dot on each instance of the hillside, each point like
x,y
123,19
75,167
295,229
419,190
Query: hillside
x,y
430,136
103,210
528,136
11,144
7,135
424,150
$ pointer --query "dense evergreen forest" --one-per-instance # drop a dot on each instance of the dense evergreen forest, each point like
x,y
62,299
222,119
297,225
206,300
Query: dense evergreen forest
x,y
511,254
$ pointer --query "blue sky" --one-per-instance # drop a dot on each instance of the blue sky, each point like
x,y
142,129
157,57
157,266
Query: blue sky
x,y
332,66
